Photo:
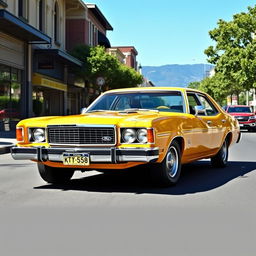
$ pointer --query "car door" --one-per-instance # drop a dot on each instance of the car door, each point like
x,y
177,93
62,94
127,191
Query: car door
x,y
215,121
197,132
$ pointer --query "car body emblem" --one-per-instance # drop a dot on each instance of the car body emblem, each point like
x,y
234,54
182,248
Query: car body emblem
x,y
106,138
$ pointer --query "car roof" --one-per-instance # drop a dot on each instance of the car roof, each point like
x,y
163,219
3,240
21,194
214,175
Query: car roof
x,y
134,89
233,106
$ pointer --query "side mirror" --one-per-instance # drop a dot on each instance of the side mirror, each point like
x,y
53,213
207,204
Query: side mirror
x,y
200,110
83,110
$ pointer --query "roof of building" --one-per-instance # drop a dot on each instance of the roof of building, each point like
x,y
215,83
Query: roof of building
x,y
132,48
99,15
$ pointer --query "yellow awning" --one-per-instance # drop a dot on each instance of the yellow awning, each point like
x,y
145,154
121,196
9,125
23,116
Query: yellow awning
x,y
48,82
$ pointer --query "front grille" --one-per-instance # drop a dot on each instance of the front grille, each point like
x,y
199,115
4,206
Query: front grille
x,y
242,118
79,135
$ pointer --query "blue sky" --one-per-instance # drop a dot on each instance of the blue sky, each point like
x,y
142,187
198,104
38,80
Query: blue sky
x,y
167,31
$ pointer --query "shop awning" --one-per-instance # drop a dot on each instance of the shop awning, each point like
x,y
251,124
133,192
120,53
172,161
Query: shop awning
x,y
17,28
44,81
63,56
103,40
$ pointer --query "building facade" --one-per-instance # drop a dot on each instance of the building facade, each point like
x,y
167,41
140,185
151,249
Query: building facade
x,y
130,54
85,25
16,39
36,71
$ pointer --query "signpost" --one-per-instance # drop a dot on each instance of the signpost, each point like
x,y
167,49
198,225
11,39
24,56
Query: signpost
x,y
100,81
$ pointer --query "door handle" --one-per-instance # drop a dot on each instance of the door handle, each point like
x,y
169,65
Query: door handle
x,y
223,121
209,122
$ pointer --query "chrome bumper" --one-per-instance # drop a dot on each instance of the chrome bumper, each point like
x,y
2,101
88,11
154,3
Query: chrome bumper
x,y
99,155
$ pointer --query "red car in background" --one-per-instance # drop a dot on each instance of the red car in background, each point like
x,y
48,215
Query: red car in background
x,y
9,113
244,116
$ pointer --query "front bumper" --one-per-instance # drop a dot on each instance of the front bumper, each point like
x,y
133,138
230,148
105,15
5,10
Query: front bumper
x,y
247,124
99,155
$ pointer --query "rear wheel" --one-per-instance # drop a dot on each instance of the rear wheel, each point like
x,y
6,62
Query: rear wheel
x,y
55,175
221,158
168,172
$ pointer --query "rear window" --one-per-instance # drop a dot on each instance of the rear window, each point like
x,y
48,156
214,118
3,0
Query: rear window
x,y
239,110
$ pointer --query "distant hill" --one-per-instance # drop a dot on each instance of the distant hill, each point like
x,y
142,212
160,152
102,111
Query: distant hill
x,y
176,75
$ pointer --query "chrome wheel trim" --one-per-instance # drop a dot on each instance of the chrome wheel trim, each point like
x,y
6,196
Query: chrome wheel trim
x,y
172,162
224,151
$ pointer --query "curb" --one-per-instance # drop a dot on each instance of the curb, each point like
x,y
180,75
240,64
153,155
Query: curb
x,y
5,147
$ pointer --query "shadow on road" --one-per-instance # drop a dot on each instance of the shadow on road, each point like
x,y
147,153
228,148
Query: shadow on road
x,y
196,177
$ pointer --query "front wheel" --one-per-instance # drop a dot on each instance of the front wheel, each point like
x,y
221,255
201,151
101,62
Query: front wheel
x,y
168,171
221,158
55,175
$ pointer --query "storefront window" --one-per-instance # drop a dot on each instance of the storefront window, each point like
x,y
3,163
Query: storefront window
x,y
47,101
10,96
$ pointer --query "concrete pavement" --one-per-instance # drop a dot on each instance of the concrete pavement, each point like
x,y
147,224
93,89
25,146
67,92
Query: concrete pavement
x,y
210,212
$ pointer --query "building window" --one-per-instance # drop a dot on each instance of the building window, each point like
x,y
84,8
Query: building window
x,y
56,22
3,3
90,33
10,97
23,9
93,34
41,15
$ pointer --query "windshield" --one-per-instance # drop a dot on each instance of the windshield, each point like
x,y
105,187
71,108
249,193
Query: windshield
x,y
161,101
239,110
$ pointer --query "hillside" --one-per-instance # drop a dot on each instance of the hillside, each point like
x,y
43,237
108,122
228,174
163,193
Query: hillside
x,y
176,75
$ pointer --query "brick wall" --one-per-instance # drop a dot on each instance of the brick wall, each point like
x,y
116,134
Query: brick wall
x,y
76,33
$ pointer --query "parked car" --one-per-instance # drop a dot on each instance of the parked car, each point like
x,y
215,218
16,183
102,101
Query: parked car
x,y
9,113
158,127
244,115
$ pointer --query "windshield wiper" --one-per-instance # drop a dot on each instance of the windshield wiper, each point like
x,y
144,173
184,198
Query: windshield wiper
x,y
95,110
139,109
100,110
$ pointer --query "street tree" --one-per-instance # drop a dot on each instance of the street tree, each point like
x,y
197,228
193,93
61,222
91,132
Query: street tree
x,y
194,85
234,52
98,63
217,87
82,52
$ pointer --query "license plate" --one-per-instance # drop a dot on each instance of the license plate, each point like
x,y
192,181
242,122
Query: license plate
x,y
76,159
241,125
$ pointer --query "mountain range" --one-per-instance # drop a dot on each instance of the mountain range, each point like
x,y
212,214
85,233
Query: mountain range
x,y
176,75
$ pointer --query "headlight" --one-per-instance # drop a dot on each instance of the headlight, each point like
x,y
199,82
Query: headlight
x,y
129,135
142,135
252,117
38,135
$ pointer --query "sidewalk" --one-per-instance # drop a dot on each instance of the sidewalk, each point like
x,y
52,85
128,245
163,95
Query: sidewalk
x,y
7,140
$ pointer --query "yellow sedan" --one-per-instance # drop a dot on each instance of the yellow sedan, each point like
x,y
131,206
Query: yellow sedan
x,y
160,127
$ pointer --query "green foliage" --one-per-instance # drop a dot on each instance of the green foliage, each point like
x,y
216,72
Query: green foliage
x,y
98,63
215,86
234,53
6,102
194,85
82,52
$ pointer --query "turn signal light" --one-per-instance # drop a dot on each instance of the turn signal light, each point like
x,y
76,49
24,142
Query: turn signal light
x,y
150,136
19,134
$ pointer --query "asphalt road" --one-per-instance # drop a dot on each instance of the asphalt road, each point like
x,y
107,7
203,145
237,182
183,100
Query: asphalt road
x,y
210,212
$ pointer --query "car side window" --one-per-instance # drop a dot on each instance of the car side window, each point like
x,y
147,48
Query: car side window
x,y
210,109
192,102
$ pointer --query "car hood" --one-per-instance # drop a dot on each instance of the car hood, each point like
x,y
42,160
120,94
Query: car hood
x,y
144,118
241,114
